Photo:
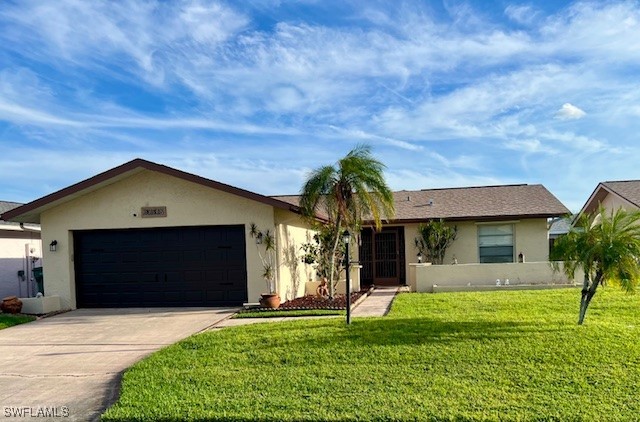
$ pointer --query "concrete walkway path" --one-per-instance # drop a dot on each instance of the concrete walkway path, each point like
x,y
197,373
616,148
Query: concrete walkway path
x,y
69,366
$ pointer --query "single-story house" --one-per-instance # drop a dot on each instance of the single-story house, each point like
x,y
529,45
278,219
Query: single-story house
x,y
20,252
613,195
144,234
495,224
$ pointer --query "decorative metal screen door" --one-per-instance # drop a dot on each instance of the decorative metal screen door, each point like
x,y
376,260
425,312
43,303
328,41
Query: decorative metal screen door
x,y
386,254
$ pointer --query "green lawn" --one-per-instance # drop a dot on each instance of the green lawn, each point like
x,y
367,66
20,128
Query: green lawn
x,y
506,355
9,320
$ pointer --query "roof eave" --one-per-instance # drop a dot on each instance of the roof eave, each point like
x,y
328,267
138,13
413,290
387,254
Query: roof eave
x,y
471,218
30,213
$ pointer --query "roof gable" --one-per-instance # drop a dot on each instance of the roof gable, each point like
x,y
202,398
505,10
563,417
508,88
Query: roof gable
x,y
31,212
627,190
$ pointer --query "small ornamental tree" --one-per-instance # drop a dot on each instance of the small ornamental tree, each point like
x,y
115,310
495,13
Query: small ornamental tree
x,y
320,251
266,246
606,246
434,239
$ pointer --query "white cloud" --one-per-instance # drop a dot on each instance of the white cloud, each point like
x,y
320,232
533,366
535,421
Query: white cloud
x,y
407,81
522,14
570,112
529,146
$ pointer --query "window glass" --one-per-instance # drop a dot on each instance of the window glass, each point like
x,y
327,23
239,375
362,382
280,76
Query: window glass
x,y
495,243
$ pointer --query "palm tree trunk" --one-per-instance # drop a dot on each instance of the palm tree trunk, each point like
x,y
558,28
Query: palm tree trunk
x,y
587,295
332,262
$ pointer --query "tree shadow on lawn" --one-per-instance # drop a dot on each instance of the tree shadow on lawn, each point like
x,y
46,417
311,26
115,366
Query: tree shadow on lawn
x,y
416,331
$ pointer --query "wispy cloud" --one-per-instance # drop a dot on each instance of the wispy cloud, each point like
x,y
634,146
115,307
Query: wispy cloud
x,y
447,95
570,112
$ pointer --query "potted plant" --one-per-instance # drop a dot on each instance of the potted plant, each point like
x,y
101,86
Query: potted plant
x,y
266,246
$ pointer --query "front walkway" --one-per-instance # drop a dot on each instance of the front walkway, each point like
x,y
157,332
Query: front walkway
x,y
378,303
69,366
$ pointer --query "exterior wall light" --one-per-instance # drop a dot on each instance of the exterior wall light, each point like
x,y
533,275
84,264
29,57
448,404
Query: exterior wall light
x,y
419,258
53,246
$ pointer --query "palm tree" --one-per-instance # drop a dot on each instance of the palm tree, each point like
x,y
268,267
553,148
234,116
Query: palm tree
x,y
345,193
606,246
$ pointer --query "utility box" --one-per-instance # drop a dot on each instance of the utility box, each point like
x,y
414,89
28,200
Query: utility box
x,y
39,276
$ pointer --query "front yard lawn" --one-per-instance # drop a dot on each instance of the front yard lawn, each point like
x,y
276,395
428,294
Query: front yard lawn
x,y
505,355
9,320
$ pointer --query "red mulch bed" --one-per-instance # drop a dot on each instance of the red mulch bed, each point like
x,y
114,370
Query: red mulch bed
x,y
316,302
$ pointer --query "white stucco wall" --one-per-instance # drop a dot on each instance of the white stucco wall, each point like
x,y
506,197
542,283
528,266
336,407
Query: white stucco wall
x,y
14,246
423,277
114,206
530,237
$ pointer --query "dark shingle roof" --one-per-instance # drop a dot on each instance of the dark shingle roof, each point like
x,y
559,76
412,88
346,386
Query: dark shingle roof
x,y
628,189
6,206
484,202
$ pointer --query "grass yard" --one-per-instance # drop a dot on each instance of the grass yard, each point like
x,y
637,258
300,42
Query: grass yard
x,y
505,355
9,320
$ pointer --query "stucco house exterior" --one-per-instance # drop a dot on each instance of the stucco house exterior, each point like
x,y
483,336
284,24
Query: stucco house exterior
x,y
495,224
614,195
144,234
20,252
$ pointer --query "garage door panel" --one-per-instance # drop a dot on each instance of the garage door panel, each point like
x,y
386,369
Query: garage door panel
x,y
235,295
176,266
171,256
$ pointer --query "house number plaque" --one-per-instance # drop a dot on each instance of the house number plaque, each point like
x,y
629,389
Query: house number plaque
x,y
153,212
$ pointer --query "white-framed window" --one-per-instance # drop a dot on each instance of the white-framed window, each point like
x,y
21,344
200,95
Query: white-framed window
x,y
495,243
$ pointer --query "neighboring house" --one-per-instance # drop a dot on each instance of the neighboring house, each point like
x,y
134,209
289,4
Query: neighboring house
x,y
20,252
143,234
613,195
495,224
559,227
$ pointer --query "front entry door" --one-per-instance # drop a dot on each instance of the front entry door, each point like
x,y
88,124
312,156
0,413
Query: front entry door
x,y
382,256
385,249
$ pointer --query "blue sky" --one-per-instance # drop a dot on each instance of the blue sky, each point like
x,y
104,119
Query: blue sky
x,y
257,93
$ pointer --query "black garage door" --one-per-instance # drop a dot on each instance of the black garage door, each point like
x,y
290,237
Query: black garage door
x,y
175,266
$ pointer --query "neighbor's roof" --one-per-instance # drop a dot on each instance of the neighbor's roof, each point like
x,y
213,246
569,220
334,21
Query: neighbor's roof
x,y
6,225
472,203
629,190
7,205
30,213
560,226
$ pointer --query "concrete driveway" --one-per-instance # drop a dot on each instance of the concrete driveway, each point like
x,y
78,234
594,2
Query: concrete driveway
x,y
69,366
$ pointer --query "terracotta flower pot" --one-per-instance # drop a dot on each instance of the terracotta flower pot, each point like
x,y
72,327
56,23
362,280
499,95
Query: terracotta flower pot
x,y
270,300
11,305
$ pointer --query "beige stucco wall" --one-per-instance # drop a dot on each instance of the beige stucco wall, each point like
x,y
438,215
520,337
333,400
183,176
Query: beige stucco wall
x,y
292,232
530,236
424,277
111,207
614,202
